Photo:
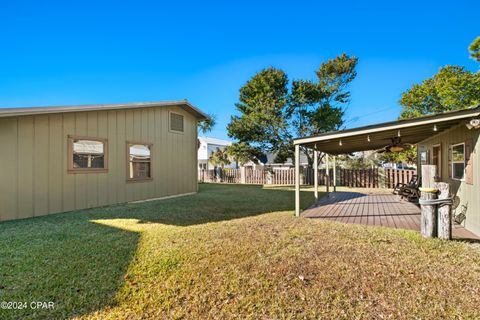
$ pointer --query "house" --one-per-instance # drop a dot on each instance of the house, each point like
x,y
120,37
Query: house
x,y
58,159
208,145
268,161
448,140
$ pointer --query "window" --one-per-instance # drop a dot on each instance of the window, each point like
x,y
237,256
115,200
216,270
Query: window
x,y
139,161
87,154
176,122
423,157
458,161
437,158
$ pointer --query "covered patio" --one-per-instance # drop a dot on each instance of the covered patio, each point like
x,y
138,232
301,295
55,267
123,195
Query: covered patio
x,y
364,208
373,209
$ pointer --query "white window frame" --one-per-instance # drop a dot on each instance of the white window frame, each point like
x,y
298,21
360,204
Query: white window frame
x,y
453,161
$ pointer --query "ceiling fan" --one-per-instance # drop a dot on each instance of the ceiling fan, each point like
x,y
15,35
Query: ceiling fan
x,y
395,146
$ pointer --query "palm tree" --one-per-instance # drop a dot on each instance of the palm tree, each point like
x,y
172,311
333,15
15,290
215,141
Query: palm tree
x,y
219,157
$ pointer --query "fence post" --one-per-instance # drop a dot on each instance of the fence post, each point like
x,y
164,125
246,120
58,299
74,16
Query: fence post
x,y
381,177
428,221
269,177
243,178
444,212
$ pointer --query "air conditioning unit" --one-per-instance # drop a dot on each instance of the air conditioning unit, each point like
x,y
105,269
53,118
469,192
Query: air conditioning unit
x,y
473,124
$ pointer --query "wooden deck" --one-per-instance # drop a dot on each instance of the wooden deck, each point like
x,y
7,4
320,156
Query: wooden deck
x,y
374,209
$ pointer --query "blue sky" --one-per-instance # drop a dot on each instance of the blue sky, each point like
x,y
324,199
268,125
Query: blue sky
x,y
87,52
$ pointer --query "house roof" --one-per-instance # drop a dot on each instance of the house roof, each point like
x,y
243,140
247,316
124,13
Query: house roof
x,y
215,141
379,135
184,104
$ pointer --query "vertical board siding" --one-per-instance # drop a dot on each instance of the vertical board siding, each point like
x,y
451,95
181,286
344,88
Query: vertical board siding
x,y
56,147
8,169
92,179
34,180
467,194
25,166
40,165
69,202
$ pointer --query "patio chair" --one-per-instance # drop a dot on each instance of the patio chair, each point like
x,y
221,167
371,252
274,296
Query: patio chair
x,y
408,190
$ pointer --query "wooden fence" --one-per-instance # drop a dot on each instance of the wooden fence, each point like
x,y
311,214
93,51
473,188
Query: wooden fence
x,y
358,178
394,176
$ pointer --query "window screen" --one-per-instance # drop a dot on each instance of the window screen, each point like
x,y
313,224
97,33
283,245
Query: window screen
x,y
140,162
87,154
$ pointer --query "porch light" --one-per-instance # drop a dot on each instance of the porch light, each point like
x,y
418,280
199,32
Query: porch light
x,y
435,128
368,138
398,133
340,143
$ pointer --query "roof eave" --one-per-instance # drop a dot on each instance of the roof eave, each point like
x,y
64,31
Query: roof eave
x,y
393,125
14,112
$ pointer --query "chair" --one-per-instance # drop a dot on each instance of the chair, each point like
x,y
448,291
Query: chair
x,y
408,190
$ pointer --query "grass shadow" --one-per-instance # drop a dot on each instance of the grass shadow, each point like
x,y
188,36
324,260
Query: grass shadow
x,y
214,202
78,260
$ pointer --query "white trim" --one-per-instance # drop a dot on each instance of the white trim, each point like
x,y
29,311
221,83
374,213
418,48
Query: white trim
x,y
452,161
384,128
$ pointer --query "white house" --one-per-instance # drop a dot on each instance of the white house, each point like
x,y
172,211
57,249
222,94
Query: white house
x,y
207,146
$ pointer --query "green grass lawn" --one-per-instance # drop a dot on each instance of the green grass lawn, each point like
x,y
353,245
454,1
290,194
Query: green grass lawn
x,y
230,251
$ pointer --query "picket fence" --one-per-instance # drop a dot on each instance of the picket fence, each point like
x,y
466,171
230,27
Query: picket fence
x,y
358,178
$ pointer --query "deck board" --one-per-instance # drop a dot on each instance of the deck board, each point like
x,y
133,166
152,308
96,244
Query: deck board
x,y
374,209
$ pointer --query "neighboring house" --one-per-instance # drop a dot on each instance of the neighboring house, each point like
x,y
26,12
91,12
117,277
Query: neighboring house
x,y
448,140
59,159
269,162
205,149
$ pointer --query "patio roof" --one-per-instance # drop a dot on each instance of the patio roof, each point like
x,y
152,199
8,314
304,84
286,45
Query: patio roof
x,y
379,135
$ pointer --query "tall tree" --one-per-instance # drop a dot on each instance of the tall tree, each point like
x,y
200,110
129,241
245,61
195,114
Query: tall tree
x,y
319,107
270,115
452,88
475,49
263,106
243,153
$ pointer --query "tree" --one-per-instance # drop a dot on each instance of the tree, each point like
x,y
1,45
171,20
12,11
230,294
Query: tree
x,y
243,153
475,49
270,115
319,107
452,88
263,105
408,156
219,158
207,125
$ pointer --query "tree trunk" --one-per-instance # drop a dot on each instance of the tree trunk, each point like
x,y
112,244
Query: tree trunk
x,y
444,212
428,222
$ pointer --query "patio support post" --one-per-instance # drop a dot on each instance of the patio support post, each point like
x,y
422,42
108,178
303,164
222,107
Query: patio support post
x,y
327,173
315,173
334,173
297,180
